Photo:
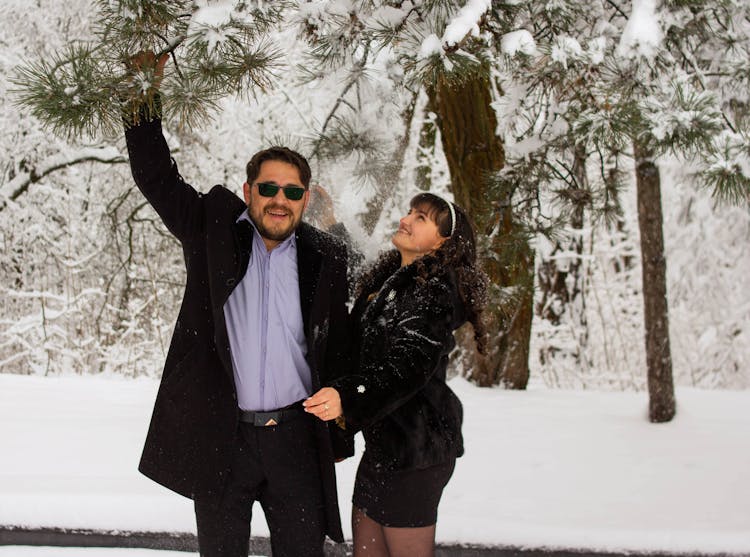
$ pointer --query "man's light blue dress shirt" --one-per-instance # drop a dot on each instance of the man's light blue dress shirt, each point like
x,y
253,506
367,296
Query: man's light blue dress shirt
x,y
266,332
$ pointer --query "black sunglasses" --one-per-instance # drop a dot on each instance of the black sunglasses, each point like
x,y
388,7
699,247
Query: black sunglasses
x,y
270,189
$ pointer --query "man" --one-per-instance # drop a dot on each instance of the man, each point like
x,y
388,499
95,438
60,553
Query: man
x,y
261,327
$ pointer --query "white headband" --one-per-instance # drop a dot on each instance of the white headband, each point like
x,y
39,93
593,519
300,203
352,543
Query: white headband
x,y
452,211
453,216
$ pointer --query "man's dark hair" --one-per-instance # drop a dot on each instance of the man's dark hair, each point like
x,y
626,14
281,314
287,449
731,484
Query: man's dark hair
x,y
282,154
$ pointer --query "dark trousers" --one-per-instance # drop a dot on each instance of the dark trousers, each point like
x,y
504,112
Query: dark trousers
x,y
277,466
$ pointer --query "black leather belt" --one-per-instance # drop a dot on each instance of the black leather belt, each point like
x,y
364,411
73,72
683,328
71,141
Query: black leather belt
x,y
272,417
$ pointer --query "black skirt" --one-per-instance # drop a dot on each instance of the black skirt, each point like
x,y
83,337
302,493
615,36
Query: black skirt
x,y
401,498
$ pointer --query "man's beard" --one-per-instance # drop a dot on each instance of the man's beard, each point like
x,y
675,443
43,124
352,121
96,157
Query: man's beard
x,y
276,235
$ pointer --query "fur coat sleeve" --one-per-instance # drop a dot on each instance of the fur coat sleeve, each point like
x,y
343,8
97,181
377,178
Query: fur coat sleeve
x,y
404,337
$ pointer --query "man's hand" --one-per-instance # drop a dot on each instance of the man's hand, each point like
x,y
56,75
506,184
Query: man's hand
x,y
144,65
140,99
325,404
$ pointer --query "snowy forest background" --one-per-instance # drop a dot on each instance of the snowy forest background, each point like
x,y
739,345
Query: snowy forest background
x,y
91,280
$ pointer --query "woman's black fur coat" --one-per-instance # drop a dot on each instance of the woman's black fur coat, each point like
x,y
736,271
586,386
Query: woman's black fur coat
x,y
397,393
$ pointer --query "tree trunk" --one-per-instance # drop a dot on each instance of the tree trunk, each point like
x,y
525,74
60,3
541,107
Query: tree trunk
x,y
390,173
426,147
473,151
563,300
656,311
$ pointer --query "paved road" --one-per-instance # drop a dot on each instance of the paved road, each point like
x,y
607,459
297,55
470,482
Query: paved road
x,y
260,546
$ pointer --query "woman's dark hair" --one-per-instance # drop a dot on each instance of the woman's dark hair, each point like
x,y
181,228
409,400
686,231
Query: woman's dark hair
x,y
283,154
458,253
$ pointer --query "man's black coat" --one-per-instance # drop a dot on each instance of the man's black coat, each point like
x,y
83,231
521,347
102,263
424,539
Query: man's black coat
x,y
195,419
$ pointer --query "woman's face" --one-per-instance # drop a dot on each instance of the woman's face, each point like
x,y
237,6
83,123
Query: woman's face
x,y
417,235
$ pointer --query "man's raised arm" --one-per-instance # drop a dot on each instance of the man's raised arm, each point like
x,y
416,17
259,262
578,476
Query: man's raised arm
x,y
154,171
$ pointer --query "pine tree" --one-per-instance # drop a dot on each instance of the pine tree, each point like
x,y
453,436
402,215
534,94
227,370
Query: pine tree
x,y
216,49
576,103
438,54
640,81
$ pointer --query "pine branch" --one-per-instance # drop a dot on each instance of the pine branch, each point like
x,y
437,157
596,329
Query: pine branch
x,y
687,121
344,138
386,32
356,75
728,185
726,170
65,91
79,92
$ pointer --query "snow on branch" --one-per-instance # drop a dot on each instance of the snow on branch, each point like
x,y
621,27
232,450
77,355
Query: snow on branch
x,y
518,41
12,190
465,22
643,34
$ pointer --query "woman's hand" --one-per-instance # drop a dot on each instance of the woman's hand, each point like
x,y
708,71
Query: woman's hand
x,y
320,208
325,404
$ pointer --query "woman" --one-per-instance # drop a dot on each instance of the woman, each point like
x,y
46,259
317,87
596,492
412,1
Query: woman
x,y
407,307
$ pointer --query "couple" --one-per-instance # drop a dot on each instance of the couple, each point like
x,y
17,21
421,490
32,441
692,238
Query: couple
x,y
267,377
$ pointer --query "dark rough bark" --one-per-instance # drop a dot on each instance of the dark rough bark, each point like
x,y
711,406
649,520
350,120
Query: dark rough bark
x,y
468,125
656,311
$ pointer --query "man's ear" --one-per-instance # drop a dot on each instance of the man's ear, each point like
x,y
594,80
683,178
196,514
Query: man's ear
x,y
306,199
246,192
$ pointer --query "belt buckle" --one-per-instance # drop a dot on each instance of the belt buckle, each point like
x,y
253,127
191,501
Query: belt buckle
x,y
266,419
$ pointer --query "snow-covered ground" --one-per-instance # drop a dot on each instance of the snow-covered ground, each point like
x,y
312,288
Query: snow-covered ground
x,y
572,469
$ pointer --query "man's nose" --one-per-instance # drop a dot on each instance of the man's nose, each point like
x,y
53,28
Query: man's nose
x,y
280,195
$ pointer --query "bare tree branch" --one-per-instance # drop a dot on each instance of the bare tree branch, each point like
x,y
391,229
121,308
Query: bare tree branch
x,y
10,191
